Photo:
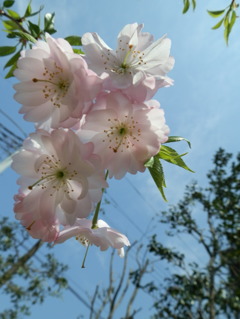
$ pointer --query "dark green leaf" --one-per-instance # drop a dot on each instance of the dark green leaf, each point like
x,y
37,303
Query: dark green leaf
x,y
74,40
34,29
8,3
13,14
11,35
78,51
186,6
7,50
170,155
218,25
10,72
216,14
157,174
13,60
172,139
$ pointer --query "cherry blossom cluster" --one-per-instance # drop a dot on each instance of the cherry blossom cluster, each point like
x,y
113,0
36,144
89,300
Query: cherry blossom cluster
x,y
94,117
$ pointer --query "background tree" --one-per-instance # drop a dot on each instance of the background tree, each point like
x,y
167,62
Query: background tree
x,y
26,279
210,216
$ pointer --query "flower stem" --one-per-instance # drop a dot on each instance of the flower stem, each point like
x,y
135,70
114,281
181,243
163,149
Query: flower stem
x,y
84,258
95,217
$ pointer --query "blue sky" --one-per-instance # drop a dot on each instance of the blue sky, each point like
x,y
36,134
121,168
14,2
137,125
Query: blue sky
x,y
203,106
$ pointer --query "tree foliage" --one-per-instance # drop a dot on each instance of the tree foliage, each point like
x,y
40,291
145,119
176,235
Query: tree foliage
x,y
211,217
26,279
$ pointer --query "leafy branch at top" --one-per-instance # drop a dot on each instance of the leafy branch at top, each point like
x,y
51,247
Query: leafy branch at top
x,y
228,16
20,28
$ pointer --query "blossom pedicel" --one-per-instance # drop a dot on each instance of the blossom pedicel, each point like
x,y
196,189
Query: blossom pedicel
x,y
113,127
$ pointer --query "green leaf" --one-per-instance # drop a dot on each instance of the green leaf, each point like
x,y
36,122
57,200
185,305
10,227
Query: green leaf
x,y
49,23
34,13
8,3
186,6
34,29
194,4
13,60
233,19
226,19
216,14
28,10
10,72
150,162
170,155
74,40
78,51
218,25
13,14
157,174
10,25
226,33
7,50
25,36
172,139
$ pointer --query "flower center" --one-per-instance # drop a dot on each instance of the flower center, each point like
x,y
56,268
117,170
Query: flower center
x,y
122,135
83,240
55,85
132,59
54,176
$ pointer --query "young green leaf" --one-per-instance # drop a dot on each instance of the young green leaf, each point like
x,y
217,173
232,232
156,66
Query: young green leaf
x,y
10,25
13,14
226,19
25,36
150,162
170,155
74,40
194,4
218,25
172,139
226,33
157,174
7,50
216,14
28,10
8,3
233,19
186,6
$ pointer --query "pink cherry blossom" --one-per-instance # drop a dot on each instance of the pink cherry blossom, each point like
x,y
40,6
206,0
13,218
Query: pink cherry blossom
x,y
125,135
31,219
55,83
61,180
101,236
136,58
